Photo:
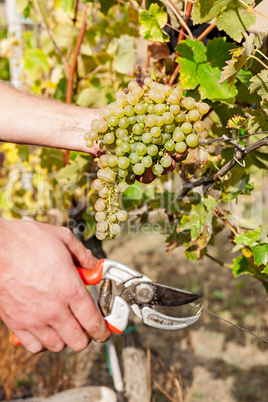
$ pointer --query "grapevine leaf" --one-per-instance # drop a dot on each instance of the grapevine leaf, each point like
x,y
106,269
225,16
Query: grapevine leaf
x,y
233,20
151,23
257,119
243,265
91,97
241,57
260,254
259,83
35,61
199,62
125,57
206,10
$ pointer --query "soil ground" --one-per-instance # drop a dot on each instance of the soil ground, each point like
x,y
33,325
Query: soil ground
x,y
216,362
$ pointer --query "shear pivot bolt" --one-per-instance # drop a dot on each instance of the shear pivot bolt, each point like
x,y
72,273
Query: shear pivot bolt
x,y
144,293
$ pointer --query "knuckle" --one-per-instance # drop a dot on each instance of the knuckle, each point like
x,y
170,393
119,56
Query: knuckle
x,y
58,347
35,348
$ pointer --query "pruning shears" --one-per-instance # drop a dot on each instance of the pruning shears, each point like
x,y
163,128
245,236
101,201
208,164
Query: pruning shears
x,y
136,292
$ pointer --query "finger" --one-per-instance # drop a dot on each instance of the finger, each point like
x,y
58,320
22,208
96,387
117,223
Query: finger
x,y
89,317
49,338
29,341
81,254
180,157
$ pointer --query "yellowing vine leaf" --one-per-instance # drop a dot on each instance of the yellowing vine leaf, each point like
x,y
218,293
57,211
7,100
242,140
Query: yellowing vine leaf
x,y
152,22
241,57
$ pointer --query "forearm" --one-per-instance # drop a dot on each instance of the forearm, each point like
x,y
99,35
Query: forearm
x,y
30,119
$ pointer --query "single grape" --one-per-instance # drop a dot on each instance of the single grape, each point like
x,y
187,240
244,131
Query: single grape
x,y
152,150
115,229
132,119
170,145
159,97
179,118
123,122
103,192
174,99
131,178
100,205
109,138
107,113
148,81
92,135
89,143
169,128
141,149
132,99
100,216
180,147
112,218
119,93
136,129
192,140
146,138
178,135
157,169
150,120
168,117
147,161
199,126
112,161
119,151
189,103
153,85
123,162
102,126
102,146
167,89
160,121
141,118
174,109
165,161
121,101
159,140
186,128
121,132
202,107
159,109
138,169
150,108
103,161
193,115
133,158
155,132
132,85
121,215
101,236
122,173
122,187
94,124
140,108
102,227
113,121
138,91
97,184
166,137
125,147
129,110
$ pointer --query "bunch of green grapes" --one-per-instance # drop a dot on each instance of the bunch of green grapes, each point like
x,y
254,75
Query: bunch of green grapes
x,y
141,130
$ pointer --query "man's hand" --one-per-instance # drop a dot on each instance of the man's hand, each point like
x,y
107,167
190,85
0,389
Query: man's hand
x,y
43,300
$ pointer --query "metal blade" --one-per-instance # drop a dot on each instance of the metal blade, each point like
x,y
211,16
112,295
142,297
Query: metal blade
x,y
169,296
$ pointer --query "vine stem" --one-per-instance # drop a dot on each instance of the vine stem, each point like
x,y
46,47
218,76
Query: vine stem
x,y
176,11
227,223
207,31
181,35
206,182
256,58
70,78
263,55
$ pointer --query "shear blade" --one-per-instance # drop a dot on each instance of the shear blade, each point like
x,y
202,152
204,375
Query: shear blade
x,y
169,296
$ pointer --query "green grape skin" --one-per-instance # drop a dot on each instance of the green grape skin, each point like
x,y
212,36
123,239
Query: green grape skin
x,y
109,138
192,140
100,216
121,133
126,147
159,140
103,161
115,229
203,107
169,128
166,161
152,150
159,109
131,178
147,161
123,162
138,169
119,112
129,110
92,135
199,126
148,81
173,99
132,99
121,215
159,97
136,129
141,118
121,101
89,143
100,205
113,121
186,128
112,161
119,151
157,169
102,126
122,173
97,184
138,91
100,236
122,186
150,108
141,149
132,119
107,113
103,192
181,147
155,132
150,120
170,145
146,138
168,117
189,103
160,121
179,118
112,218
123,122
134,158
174,109
140,108
193,115
178,135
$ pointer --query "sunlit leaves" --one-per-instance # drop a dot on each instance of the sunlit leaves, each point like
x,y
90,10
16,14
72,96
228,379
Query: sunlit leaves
x,y
231,16
123,52
35,62
152,22
199,62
